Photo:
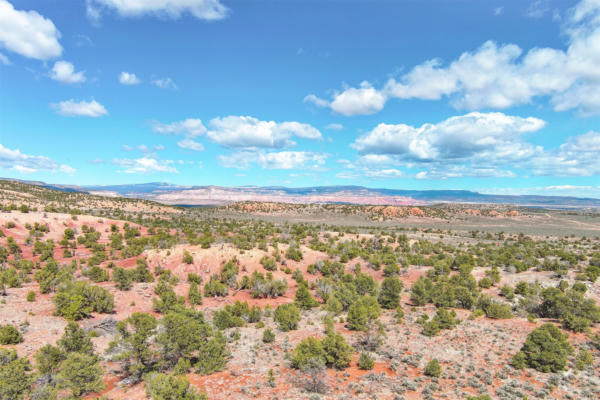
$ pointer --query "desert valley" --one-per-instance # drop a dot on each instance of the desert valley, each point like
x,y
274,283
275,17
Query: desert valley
x,y
119,298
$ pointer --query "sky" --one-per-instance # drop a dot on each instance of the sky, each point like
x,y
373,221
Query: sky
x,y
485,95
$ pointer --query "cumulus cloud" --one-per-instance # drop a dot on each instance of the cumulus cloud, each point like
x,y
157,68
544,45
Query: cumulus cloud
x,y
275,160
190,144
242,132
28,33
191,127
461,171
455,138
64,72
73,108
144,165
25,163
498,76
472,145
201,9
578,156
353,101
127,78
164,83
248,132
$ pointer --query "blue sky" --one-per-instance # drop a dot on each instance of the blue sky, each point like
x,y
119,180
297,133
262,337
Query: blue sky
x,y
494,96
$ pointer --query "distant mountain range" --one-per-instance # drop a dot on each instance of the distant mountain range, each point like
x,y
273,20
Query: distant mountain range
x,y
218,195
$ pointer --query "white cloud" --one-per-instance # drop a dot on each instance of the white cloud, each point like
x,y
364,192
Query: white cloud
x,y
291,160
461,171
190,144
190,127
498,11
455,138
201,9
498,76
127,78
238,132
67,169
275,160
248,132
143,148
385,173
164,83
358,101
25,163
578,156
73,108
4,60
472,145
144,165
83,40
334,127
64,72
538,8
317,101
28,33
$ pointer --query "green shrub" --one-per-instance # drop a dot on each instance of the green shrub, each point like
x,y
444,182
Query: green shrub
x,y
485,283
97,274
304,299
212,355
584,359
15,379
287,317
332,351
338,353
223,319
194,278
575,323
494,309
123,278
268,263
187,257
141,273
361,312
433,368
389,295
294,253
268,336
365,361
333,305
81,374
48,359
214,287
545,349
507,292
194,294
76,340
79,300
10,335
166,387
430,328
308,349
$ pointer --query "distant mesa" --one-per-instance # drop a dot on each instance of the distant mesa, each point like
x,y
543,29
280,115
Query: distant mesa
x,y
220,195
